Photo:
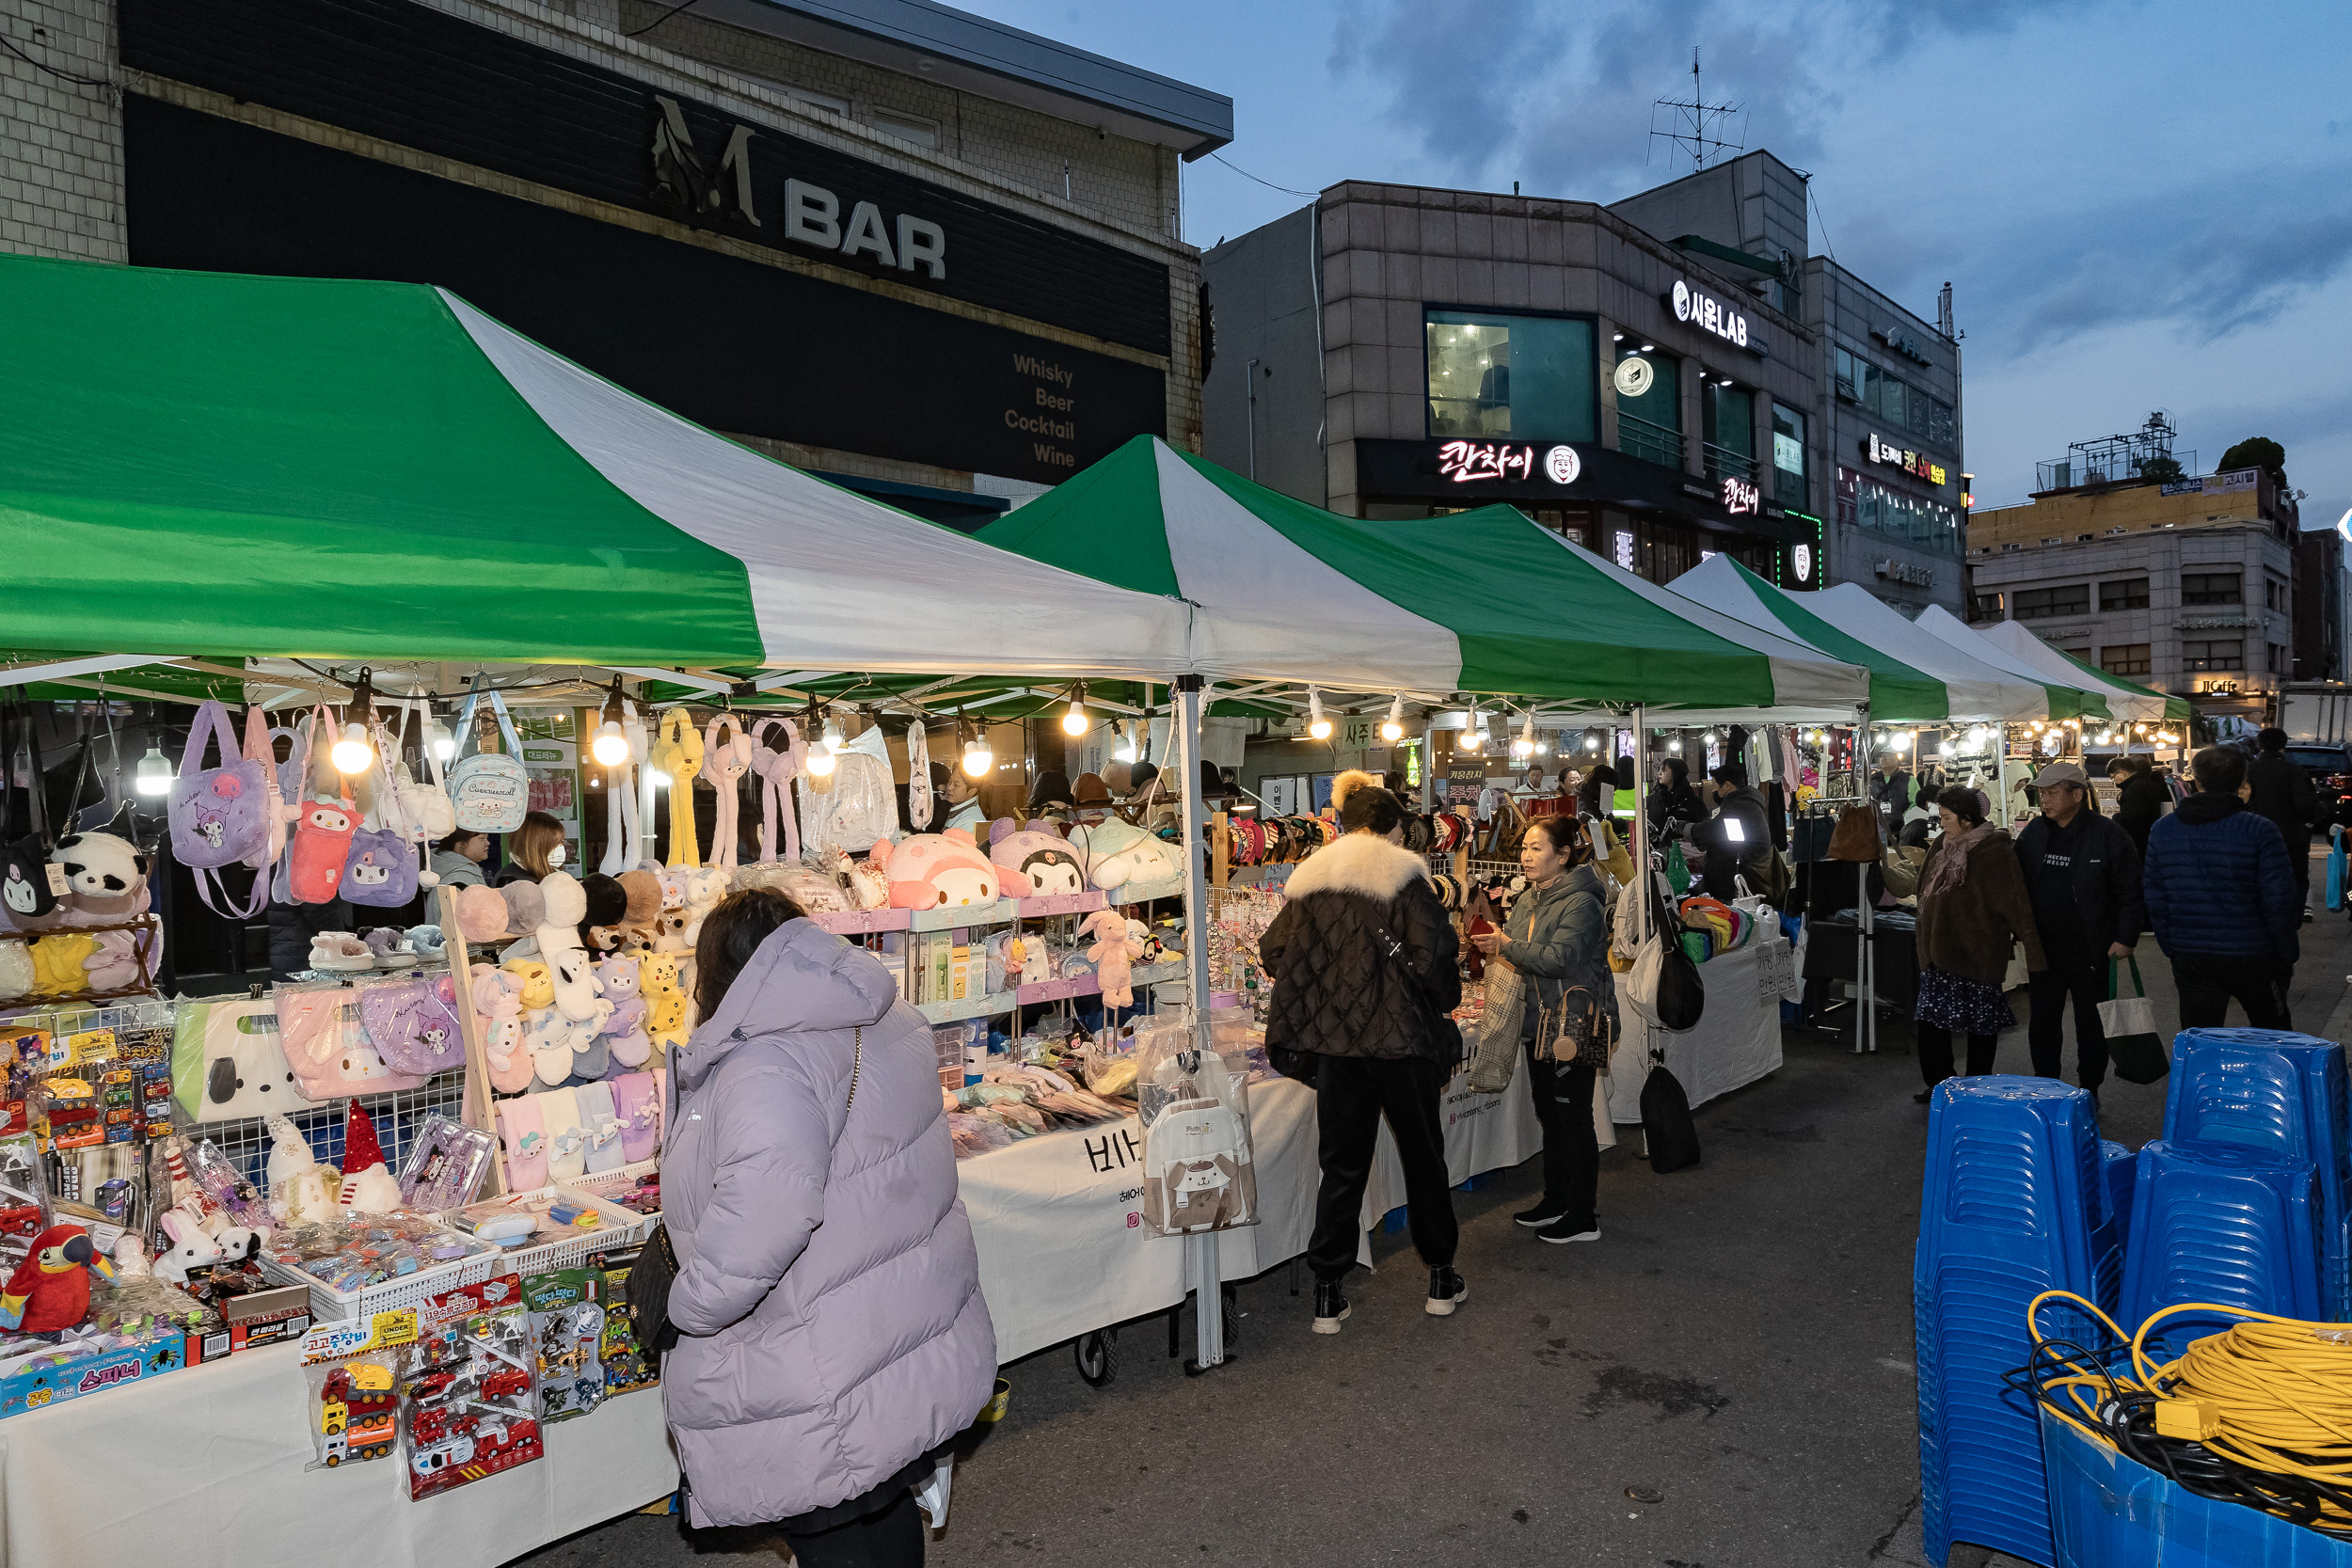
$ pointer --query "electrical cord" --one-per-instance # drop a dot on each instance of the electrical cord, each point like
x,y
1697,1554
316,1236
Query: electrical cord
x,y
2259,1414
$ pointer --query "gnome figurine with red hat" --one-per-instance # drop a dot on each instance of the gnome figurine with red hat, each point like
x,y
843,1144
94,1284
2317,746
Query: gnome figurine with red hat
x,y
369,1185
50,1290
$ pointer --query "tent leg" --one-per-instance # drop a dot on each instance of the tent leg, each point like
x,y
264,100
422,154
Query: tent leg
x,y
1201,1250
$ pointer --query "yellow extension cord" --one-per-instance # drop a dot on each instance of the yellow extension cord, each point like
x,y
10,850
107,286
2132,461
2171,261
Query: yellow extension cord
x,y
2272,1394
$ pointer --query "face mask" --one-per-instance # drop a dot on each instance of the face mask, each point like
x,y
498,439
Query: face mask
x,y
555,857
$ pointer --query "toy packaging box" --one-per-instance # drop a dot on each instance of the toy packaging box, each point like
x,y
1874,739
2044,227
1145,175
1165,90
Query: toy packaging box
x,y
470,1405
626,1365
37,1372
567,1329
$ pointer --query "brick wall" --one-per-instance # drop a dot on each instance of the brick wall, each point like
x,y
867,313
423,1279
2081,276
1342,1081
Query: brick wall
x,y
60,141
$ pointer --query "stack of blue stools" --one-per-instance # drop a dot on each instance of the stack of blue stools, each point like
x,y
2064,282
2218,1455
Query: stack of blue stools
x,y
2016,1203
2284,1094
2225,1224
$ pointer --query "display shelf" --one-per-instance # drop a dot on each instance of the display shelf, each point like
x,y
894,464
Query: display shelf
x,y
1153,974
850,923
971,1007
1057,990
1064,903
961,915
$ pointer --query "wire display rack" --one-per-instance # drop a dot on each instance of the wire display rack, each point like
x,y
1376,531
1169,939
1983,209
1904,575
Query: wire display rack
x,y
399,1116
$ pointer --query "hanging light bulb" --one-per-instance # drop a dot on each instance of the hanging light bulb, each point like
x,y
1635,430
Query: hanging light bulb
x,y
1318,727
351,752
610,747
820,756
1474,733
154,771
1591,742
1392,727
1524,747
1675,745
1074,721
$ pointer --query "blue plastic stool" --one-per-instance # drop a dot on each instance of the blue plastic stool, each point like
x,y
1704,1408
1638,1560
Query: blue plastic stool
x,y
2287,1093
2219,1223
2015,1202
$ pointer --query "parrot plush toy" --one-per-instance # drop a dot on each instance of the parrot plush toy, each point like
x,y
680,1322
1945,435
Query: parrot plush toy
x,y
50,1290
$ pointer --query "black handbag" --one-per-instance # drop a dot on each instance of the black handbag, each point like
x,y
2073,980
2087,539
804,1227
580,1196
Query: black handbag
x,y
649,1287
1442,1028
1667,1130
1682,995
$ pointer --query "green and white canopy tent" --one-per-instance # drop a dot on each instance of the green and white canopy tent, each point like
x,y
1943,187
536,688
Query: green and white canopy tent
x,y
204,466
1900,693
2125,699
1484,603
1978,689
2084,702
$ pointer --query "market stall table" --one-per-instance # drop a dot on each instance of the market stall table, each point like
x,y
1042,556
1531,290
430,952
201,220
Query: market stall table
x,y
204,1470
1737,1040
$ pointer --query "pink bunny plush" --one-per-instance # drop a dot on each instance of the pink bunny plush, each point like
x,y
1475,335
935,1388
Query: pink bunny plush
x,y
724,763
1114,954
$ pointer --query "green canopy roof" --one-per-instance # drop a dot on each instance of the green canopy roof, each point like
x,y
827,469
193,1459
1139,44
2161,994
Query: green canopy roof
x,y
2127,700
1900,693
1484,602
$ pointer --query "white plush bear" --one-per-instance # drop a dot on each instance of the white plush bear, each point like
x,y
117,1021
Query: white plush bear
x,y
547,1036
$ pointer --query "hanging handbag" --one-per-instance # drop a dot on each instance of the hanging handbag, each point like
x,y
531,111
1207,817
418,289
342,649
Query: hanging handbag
x,y
489,791
1667,1130
260,749
2130,1024
1442,1028
218,815
321,841
424,805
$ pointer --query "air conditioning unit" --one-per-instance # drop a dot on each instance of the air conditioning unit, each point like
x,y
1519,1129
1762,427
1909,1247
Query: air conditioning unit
x,y
2111,532
2051,539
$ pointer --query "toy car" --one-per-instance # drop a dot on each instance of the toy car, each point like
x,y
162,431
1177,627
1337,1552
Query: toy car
x,y
441,1456
22,1221
504,1382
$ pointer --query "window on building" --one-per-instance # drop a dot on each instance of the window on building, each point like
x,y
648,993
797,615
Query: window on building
x,y
1848,368
2031,604
1941,427
2125,659
1984,606
1526,377
1788,486
831,103
2212,588
1731,421
2123,593
2277,595
2277,659
2202,657
1890,400
1862,502
1650,426
2082,653
905,128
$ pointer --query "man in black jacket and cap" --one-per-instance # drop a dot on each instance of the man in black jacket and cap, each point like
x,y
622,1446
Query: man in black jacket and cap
x,y
2283,793
2083,876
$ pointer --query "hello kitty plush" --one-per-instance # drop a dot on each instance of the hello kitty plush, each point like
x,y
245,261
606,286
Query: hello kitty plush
x,y
931,871
1114,953
1032,863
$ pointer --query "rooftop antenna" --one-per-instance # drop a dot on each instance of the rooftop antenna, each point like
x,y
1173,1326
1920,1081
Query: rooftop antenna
x,y
1691,123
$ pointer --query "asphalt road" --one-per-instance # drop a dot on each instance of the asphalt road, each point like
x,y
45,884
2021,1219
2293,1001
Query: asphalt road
x,y
1724,1381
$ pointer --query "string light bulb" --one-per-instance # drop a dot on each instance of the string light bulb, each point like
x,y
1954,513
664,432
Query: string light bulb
x,y
1474,733
1392,727
154,771
1318,726
1074,721
821,756
1524,747
610,747
351,752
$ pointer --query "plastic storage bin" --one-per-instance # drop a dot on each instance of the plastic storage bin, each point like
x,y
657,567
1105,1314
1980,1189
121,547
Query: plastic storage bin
x,y
2107,1510
2220,1223
2287,1093
2015,1203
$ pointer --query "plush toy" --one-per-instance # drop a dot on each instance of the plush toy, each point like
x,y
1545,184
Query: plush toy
x,y
1033,865
538,982
114,964
669,930
497,1005
339,951
16,970
526,908
643,912
624,1032
575,989
600,929
189,1245
60,960
665,1000
50,1290
931,871
704,889
548,1037
1114,954
369,1185
778,757
481,913
131,1258
869,888
104,880
1125,861
678,753
289,1153
726,757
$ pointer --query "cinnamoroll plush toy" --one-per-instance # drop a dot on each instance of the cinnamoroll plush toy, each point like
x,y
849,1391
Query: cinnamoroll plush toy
x,y
498,1003
704,889
1128,863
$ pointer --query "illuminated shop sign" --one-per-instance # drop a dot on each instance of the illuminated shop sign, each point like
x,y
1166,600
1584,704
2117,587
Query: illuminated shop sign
x,y
1741,495
1916,463
1800,564
1468,462
1901,571
1702,309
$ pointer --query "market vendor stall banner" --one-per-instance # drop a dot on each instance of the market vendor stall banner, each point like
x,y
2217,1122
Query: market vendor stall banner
x,y
1281,589
217,465
1899,692
2125,699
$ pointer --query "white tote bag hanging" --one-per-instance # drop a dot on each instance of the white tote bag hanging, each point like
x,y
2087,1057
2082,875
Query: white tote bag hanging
x,y
918,776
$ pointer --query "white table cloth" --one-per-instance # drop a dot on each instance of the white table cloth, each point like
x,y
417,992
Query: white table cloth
x,y
1737,1040
203,1468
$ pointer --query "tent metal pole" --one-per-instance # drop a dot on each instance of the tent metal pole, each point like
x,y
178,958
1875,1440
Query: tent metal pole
x,y
1201,1251
1866,1028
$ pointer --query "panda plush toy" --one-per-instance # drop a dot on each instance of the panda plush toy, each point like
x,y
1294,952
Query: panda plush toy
x,y
104,878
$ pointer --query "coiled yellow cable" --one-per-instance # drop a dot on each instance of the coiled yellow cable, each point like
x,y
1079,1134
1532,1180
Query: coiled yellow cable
x,y
2272,1394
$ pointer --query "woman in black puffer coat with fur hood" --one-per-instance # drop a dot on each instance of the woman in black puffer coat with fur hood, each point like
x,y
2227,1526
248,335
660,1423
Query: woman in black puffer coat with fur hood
x,y
1363,961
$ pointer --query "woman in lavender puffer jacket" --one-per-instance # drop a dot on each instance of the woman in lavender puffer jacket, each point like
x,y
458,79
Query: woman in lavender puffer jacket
x,y
828,1297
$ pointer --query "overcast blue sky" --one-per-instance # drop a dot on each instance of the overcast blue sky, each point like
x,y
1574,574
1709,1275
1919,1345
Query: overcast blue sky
x,y
2140,206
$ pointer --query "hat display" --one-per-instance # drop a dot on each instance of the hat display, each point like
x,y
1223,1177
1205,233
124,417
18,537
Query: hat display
x,y
1092,794
1857,836
2062,773
1118,777
1052,789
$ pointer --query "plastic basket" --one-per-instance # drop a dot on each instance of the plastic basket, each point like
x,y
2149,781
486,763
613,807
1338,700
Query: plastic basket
x,y
622,1229
2106,1509
328,1305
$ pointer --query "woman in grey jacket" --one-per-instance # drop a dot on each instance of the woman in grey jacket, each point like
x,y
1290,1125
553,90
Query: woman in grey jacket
x,y
1557,936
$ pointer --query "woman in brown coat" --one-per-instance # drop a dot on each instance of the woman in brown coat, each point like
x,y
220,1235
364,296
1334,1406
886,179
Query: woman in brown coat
x,y
1973,908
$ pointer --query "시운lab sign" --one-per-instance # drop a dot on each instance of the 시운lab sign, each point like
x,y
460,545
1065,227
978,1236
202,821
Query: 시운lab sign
x,y
1702,309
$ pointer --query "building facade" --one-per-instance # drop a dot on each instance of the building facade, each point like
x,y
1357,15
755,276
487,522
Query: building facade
x,y
2320,589
2187,587
934,257
1401,351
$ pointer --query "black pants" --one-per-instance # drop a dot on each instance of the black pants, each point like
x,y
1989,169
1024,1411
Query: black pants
x,y
1352,1094
1564,1104
2207,982
2087,983
2299,862
1935,1052
892,1538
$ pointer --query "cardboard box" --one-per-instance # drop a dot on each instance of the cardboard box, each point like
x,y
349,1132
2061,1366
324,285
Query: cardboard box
x,y
39,1381
268,1317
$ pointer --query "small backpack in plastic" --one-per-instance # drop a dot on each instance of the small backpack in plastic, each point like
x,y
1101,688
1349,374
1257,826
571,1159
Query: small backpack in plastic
x,y
861,807
489,791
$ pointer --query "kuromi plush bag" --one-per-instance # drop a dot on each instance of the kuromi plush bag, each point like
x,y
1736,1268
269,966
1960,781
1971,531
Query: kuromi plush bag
x,y
220,816
413,1025
489,791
